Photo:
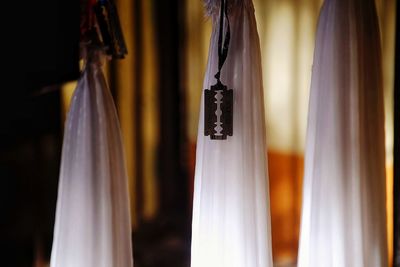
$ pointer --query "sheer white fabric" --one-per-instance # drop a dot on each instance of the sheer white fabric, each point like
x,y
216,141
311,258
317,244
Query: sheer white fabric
x,y
231,218
92,227
343,216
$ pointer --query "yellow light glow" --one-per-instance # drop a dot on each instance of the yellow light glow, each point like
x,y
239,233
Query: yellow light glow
x,y
125,102
150,113
67,90
389,207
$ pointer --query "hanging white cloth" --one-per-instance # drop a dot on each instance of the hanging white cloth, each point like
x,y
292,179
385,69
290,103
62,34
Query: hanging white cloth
x,y
92,227
344,214
231,218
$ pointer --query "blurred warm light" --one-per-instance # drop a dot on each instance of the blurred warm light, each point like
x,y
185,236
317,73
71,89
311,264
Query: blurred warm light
x,y
287,172
389,209
278,65
286,31
125,84
139,94
386,15
67,90
150,113
198,32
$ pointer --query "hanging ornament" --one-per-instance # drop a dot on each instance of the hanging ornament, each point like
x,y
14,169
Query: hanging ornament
x,y
218,101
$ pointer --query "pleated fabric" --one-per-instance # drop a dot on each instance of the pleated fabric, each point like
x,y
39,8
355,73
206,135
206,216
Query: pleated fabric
x,y
343,220
231,217
92,227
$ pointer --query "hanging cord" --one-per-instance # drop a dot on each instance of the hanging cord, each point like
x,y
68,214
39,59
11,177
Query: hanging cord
x,y
223,48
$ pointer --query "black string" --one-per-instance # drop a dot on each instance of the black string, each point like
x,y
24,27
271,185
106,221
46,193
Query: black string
x,y
223,49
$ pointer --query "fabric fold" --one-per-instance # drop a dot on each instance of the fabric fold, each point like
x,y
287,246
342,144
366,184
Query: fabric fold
x,y
344,191
231,217
92,227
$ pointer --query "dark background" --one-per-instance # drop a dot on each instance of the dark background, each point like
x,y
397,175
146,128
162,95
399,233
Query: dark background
x,y
40,41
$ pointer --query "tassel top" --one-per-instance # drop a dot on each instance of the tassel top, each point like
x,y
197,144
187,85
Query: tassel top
x,y
212,6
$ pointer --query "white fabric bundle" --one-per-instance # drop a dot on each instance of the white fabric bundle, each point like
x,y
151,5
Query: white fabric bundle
x,y
231,220
92,227
344,217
